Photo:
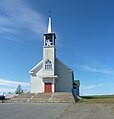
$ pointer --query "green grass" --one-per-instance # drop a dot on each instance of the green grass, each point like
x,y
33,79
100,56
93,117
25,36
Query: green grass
x,y
97,99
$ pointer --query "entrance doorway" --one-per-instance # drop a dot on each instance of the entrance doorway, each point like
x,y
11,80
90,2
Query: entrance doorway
x,y
48,88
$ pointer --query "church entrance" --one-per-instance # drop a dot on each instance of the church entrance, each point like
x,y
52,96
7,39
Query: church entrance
x,y
48,88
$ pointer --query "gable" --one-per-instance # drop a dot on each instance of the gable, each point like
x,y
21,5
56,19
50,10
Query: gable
x,y
36,69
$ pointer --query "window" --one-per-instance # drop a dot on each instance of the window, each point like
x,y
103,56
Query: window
x,y
48,64
48,42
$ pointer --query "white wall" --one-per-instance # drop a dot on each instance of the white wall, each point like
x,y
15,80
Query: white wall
x,y
64,83
37,85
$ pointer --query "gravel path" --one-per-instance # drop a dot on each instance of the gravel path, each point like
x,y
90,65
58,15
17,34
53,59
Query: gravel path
x,y
89,111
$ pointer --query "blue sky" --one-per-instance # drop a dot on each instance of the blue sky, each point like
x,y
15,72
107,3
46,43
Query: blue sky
x,y
85,41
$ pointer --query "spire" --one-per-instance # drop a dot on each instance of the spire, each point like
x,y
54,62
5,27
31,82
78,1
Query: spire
x,y
49,25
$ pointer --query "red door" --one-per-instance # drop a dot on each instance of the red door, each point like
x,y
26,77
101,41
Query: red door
x,y
48,88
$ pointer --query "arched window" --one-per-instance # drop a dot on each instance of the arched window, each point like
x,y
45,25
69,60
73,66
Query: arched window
x,y
48,64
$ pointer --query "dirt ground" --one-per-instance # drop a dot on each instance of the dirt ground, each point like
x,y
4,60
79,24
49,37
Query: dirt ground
x,y
89,111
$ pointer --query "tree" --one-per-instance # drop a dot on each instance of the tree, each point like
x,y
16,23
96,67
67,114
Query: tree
x,y
19,90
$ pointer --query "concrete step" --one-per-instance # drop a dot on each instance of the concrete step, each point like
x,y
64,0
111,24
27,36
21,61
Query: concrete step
x,y
41,97
61,97
22,98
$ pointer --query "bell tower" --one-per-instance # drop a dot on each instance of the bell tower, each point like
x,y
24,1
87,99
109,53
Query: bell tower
x,y
49,51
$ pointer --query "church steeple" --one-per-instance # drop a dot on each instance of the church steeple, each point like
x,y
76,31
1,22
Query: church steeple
x,y
49,51
49,37
49,25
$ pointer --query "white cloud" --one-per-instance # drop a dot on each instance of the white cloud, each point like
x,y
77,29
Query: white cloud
x,y
93,89
86,87
6,90
10,86
17,15
95,69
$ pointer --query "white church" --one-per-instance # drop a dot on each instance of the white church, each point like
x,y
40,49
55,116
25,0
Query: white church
x,y
50,74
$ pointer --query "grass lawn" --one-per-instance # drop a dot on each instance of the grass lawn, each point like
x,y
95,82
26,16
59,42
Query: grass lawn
x,y
108,99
